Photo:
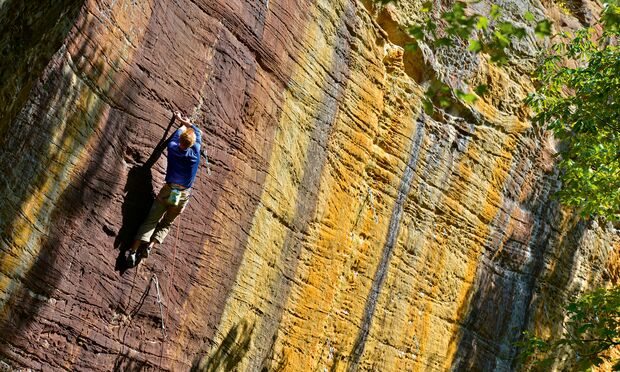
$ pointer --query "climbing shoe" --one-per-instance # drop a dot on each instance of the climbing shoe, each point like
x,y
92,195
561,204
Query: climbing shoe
x,y
132,259
145,251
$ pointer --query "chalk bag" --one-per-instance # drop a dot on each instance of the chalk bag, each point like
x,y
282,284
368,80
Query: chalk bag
x,y
175,197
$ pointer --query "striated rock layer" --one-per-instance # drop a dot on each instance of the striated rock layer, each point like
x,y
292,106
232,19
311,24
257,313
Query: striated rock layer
x,y
341,228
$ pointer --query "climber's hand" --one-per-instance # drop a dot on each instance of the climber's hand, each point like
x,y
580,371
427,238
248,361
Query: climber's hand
x,y
181,118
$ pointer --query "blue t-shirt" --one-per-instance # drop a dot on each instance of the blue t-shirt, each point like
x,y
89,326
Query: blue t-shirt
x,y
183,165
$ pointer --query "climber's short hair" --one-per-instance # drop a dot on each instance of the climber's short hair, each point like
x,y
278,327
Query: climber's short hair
x,y
187,138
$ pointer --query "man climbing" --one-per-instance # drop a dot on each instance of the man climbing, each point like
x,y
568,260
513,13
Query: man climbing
x,y
183,160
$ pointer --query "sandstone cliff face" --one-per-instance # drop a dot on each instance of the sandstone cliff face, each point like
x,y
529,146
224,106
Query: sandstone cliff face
x,y
340,228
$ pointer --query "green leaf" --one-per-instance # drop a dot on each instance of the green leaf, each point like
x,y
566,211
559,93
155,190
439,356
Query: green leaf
x,y
443,41
495,12
427,7
506,28
483,23
529,17
501,39
543,28
499,59
430,25
469,98
481,89
593,326
584,328
428,106
474,46
411,47
416,31
444,102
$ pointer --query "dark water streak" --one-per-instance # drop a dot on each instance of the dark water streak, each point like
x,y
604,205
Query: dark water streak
x,y
392,235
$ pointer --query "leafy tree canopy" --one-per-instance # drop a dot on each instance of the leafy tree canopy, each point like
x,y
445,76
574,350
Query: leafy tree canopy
x,y
578,98
577,94
593,327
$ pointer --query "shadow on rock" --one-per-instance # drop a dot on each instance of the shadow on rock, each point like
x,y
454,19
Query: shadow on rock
x,y
137,201
230,352
139,196
125,363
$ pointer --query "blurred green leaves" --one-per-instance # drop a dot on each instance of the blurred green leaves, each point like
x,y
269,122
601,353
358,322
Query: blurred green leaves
x,y
580,103
474,46
495,11
529,17
543,28
466,97
481,89
427,7
592,328
458,25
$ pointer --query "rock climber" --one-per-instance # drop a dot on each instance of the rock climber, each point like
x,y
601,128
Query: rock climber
x,y
183,160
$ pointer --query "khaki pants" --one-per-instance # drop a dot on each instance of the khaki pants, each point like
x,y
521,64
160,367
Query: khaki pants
x,y
152,228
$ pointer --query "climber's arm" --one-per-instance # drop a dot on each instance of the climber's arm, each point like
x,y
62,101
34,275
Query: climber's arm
x,y
184,121
188,124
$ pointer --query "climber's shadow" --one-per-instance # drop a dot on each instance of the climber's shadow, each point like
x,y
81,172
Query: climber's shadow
x,y
137,201
139,196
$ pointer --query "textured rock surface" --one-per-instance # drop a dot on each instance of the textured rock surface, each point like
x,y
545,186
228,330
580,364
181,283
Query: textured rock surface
x,y
340,228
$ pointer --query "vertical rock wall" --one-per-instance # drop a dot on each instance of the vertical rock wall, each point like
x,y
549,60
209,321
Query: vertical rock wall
x,y
341,228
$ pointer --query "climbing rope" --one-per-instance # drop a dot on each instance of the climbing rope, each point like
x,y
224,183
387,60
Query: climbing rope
x,y
161,313
160,303
164,318
174,257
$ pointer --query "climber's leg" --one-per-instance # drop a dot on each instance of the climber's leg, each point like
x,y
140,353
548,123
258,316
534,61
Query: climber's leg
x,y
148,226
164,225
159,207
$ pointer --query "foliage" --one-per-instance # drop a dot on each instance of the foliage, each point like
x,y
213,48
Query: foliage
x,y
489,34
578,98
593,327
